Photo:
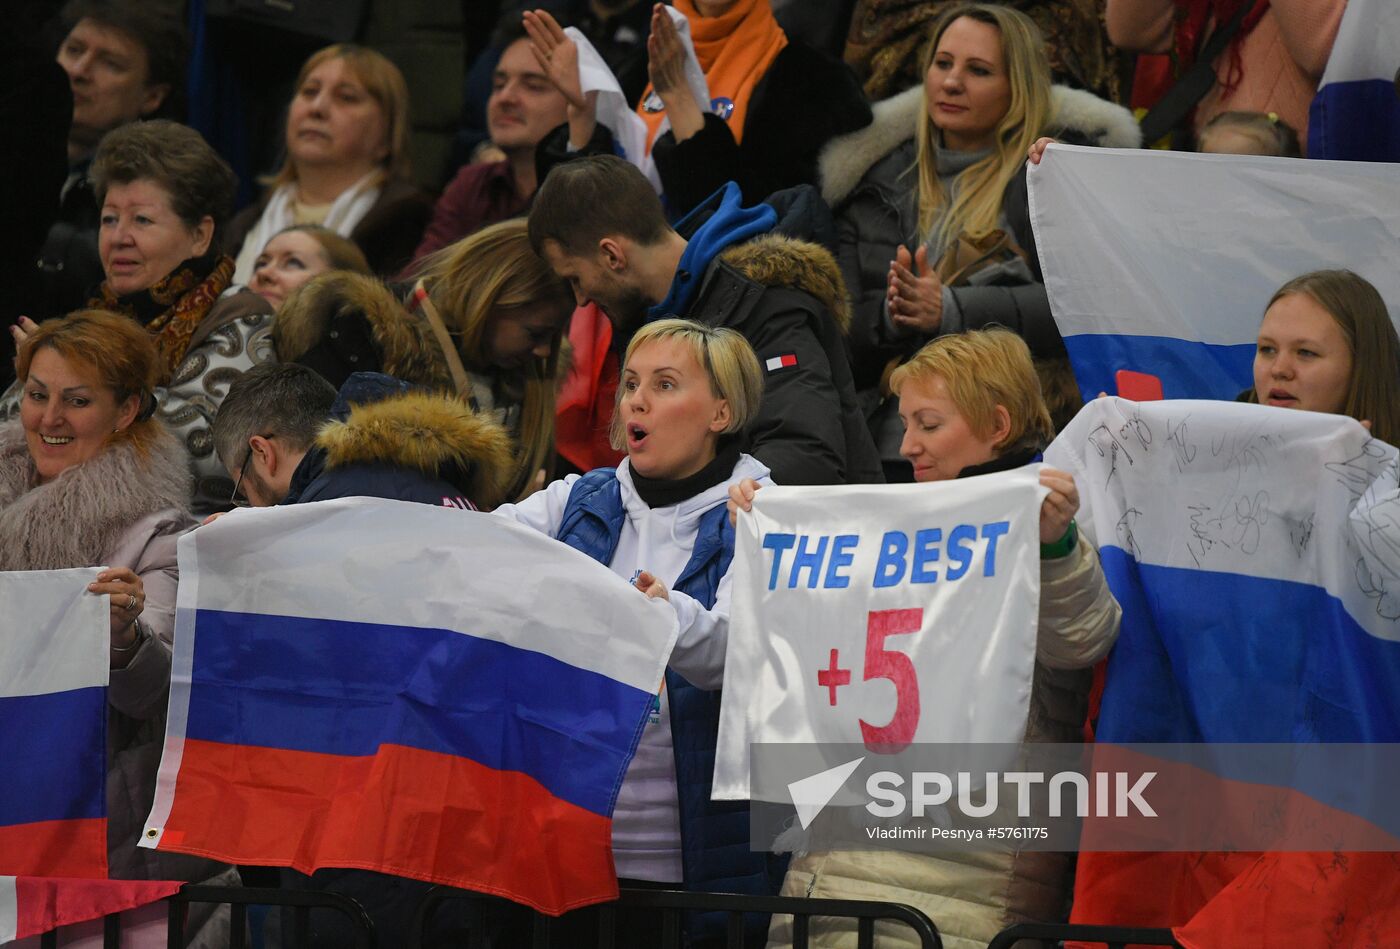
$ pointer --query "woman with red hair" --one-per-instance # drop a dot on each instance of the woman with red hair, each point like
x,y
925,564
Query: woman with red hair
x,y
89,477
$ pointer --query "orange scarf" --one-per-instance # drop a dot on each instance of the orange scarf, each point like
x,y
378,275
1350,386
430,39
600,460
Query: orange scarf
x,y
735,50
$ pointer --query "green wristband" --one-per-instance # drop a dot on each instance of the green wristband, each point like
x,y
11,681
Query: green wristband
x,y
1062,547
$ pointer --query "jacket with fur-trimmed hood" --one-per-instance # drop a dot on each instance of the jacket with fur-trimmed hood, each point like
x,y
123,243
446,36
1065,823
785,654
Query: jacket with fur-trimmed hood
x,y
787,298
870,179
340,323
124,507
387,439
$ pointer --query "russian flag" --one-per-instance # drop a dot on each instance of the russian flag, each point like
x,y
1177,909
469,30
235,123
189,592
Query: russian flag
x,y
428,693
53,725
1162,263
1356,113
1256,554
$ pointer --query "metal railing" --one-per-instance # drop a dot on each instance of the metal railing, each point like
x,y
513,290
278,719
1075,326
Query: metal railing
x,y
1051,934
239,898
673,904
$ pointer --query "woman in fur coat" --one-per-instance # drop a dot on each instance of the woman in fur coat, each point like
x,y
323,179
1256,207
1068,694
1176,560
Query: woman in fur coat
x,y
931,204
87,477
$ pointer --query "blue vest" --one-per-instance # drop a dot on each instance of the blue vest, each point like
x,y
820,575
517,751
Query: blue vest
x,y
715,854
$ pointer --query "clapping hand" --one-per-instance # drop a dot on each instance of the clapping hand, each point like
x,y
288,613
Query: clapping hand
x,y
666,68
557,55
915,294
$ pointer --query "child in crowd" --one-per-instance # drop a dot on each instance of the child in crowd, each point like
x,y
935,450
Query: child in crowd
x,y
1249,133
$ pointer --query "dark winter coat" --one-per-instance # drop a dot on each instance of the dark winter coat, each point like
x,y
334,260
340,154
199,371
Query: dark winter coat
x,y
787,299
389,441
870,179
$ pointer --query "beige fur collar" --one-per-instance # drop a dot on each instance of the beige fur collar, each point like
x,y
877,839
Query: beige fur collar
x,y
76,519
427,432
846,159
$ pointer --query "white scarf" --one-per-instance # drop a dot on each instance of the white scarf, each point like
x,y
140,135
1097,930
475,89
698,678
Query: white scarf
x,y
346,212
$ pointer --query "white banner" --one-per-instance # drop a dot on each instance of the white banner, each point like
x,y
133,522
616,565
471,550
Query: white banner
x,y
881,615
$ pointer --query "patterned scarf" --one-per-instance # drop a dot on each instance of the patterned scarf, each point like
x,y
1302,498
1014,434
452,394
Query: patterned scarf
x,y
172,308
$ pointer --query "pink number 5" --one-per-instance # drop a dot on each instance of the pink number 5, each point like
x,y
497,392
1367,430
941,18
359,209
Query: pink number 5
x,y
882,663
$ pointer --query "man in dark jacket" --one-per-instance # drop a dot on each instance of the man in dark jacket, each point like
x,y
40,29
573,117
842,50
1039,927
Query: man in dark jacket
x,y
601,227
125,61
287,437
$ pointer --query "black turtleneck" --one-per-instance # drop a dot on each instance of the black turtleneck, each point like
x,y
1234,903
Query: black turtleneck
x,y
1016,456
664,492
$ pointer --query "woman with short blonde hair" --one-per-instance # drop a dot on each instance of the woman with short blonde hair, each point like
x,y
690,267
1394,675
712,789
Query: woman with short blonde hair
x,y
347,163
971,405
982,370
659,521
727,357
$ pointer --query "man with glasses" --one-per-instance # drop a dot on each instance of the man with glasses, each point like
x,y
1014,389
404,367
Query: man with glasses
x,y
286,437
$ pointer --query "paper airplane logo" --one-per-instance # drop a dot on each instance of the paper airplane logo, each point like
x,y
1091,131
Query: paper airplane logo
x,y
812,794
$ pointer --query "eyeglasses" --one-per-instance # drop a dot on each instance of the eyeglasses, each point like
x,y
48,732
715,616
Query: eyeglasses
x,y
236,499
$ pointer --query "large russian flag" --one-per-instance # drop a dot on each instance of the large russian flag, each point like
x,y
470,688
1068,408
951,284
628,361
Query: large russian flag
x,y
53,725
1163,262
1256,555
1356,113
387,686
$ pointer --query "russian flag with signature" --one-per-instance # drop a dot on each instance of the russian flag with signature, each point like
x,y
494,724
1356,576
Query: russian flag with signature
x,y
1256,555
387,686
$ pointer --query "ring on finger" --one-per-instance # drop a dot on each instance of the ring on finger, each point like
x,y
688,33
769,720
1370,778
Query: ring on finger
x,y
130,602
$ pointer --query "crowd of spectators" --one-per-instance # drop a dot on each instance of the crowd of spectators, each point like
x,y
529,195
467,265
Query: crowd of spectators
x,y
820,272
